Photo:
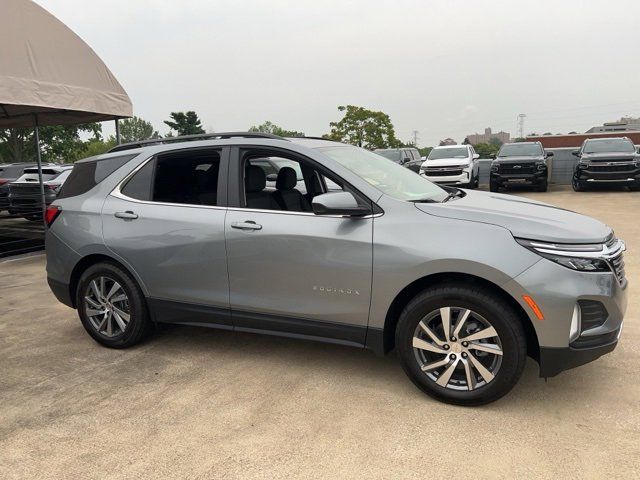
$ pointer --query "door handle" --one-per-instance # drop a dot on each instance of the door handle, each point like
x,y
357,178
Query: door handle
x,y
248,225
128,215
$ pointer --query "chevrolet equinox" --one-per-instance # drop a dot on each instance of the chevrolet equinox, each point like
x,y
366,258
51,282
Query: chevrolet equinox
x,y
463,284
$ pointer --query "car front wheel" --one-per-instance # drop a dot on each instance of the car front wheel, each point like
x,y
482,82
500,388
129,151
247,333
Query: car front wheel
x,y
111,306
461,344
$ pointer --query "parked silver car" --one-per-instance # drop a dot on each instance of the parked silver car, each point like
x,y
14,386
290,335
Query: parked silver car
x,y
463,284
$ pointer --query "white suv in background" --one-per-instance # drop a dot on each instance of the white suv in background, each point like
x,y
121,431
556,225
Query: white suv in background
x,y
454,165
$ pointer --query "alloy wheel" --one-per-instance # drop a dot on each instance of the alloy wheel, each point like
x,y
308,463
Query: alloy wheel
x,y
457,348
106,305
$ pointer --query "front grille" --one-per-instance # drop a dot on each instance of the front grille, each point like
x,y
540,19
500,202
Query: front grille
x,y
517,168
442,172
592,314
595,340
612,168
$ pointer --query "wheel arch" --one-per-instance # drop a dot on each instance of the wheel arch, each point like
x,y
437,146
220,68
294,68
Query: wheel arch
x,y
417,286
86,262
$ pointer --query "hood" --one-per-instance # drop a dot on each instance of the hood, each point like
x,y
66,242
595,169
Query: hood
x,y
523,217
446,162
520,159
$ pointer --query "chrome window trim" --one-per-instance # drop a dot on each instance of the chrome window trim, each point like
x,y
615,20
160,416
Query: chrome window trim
x,y
117,193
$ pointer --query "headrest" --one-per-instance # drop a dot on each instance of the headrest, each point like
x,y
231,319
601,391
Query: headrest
x,y
287,179
255,179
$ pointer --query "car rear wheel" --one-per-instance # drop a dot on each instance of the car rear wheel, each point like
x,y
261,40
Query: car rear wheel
x,y
461,344
494,186
111,306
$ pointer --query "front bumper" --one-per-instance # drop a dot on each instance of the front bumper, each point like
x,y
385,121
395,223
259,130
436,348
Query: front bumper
x,y
462,178
534,178
555,360
557,290
620,174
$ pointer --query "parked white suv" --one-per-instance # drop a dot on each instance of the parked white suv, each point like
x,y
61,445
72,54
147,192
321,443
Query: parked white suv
x,y
454,165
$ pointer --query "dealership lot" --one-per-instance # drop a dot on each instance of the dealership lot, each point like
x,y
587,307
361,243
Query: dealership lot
x,y
198,403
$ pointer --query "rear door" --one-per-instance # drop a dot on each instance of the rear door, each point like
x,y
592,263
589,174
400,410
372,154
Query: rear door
x,y
166,221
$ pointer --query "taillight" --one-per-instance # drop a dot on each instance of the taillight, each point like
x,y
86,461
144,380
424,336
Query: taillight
x,y
52,186
52,212
3,181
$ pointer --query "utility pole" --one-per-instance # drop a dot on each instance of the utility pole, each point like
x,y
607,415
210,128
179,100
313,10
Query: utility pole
x,y
415,138
521,117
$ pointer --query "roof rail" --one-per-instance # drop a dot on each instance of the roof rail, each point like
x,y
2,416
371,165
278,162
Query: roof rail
x,y
197,136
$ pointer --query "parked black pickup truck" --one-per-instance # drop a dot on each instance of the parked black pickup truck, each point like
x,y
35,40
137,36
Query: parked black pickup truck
x,y
522,163
612,161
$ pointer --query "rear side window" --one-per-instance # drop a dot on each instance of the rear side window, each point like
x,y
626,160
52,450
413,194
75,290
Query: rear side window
x,y
86,175
188,177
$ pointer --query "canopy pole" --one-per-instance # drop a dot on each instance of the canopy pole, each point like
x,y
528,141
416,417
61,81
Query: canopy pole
x,y
117,132
39,158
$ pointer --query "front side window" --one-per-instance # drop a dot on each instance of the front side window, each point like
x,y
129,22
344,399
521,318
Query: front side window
x,y
616,145
388,177
189,177
520,150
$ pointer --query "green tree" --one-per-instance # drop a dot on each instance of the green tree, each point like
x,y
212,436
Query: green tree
x,y
466,141
16,145
98,147
495,141
364,128
485,150
425,151
185,123
273,129
135,129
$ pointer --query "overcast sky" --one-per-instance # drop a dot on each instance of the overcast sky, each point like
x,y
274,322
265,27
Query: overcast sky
x,y
444,68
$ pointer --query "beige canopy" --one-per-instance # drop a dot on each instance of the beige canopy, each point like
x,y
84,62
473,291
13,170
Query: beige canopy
x,y
46,69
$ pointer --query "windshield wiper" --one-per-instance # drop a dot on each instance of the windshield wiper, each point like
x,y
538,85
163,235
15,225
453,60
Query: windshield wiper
x,y
424,200
451,194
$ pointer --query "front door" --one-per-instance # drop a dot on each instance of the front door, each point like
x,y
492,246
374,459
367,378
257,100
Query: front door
x,y
290,270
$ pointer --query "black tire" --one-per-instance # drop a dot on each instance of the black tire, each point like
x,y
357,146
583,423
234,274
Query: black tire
x,y
494,186
577,185
543,186
139,325
493,308
477,182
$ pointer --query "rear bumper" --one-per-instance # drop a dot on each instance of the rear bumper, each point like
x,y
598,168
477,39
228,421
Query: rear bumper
x,y
61,291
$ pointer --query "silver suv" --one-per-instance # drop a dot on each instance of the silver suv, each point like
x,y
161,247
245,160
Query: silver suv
x,y
463,284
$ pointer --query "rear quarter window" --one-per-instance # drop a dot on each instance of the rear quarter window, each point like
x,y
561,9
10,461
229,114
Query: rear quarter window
x,y
86,175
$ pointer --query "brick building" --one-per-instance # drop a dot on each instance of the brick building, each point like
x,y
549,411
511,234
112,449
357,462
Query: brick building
x,y
476,138
575,140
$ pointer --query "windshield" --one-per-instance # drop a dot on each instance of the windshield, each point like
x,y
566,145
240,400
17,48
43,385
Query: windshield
x,y
438,153
520,150
613,145
388,177
390,154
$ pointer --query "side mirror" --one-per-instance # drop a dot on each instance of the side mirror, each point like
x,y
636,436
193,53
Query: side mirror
x,y
338,203
549,154
492,155
576,153
272,177
476,156
406,160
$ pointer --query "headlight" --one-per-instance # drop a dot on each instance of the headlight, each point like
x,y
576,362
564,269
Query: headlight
x,y
494,168
541,166
580,257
